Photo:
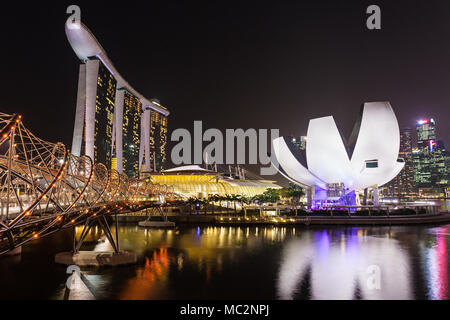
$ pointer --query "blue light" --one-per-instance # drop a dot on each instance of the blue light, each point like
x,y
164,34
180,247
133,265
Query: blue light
x,y
432,145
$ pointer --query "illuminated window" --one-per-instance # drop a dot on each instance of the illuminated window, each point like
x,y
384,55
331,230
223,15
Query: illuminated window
x,y
372,164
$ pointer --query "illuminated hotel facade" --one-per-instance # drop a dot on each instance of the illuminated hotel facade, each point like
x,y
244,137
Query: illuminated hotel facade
x,y
114,124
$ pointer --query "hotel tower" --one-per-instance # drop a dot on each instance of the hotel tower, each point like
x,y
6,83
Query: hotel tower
x,y
114,124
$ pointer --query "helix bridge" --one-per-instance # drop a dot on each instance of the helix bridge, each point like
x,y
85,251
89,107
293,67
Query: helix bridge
x,y
44,189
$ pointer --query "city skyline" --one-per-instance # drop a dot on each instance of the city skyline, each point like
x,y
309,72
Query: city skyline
x,y
117,126
246,151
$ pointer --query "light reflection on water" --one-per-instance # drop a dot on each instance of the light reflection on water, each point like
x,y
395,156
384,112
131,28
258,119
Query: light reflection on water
x,y
251,263
436,265
339,268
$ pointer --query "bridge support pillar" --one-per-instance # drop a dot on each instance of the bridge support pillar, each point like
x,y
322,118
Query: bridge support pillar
x,y
157,224
96,258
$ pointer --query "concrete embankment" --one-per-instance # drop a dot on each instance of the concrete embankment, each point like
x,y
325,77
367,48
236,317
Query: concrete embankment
x,y
440,218
96,259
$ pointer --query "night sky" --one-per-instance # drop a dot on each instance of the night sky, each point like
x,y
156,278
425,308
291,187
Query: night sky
x,y
235,64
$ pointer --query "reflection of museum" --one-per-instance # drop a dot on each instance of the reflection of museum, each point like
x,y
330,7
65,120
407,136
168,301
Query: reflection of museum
x,y
351,258
194,181
340,264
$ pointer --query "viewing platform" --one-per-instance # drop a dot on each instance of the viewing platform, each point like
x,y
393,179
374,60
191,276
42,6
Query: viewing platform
x,y
96,259
336,220
283,215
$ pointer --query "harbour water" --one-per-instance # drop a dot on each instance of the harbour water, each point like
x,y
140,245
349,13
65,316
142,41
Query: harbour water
x,y
201,262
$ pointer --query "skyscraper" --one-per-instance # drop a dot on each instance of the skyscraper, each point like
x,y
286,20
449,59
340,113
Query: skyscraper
x,y
431,168
402,187
128,142
440,172
158,138
114,124
426,133
299,142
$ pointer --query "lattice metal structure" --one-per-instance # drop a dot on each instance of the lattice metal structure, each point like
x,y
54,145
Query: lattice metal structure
x,y
44,188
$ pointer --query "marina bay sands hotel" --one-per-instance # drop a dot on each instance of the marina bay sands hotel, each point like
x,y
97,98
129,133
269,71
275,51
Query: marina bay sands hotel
x,y
114,125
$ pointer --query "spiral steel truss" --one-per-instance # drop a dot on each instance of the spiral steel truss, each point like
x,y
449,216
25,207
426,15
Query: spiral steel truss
x,y
44,188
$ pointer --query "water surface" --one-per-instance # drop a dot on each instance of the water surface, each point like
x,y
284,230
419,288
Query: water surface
x,y
245,263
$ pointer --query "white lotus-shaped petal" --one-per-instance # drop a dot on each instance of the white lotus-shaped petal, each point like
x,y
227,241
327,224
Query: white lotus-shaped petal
x,y
326,154
292,169
370,158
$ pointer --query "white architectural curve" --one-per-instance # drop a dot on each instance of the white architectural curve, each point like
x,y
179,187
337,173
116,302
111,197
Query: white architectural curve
x,y
293,170
85,45
326,154
378,139
93,57
371,158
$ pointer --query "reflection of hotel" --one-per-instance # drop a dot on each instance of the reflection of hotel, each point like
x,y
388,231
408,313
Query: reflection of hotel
x,y
114,125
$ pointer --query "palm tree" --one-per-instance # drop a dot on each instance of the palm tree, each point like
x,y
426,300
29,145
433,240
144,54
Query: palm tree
x,y
214,198
241,200
256,199
295,193
244,200
228,199
235,198
270,195
248,200
205,203
191,201
194,201
209,200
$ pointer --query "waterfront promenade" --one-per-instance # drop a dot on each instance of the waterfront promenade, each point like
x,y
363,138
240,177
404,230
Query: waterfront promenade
x,y
310,219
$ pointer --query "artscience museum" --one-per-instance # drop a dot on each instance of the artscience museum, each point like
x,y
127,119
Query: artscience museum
x,y
336,171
